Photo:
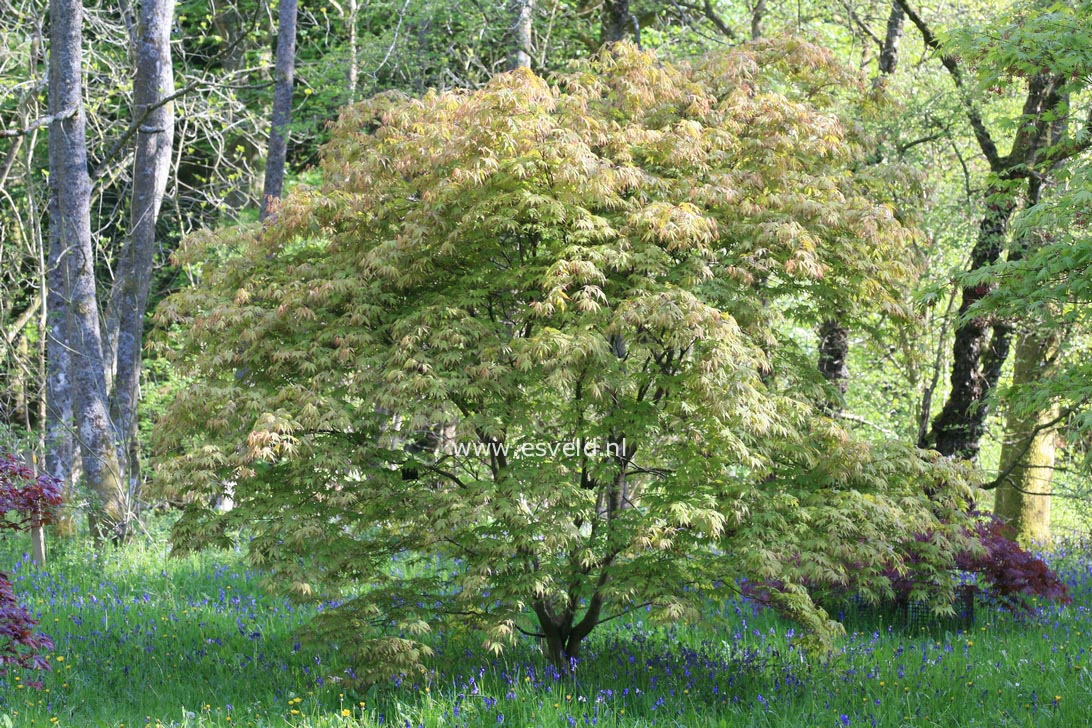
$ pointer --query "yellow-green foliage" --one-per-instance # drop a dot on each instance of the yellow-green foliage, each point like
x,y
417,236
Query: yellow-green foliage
x,y
616,256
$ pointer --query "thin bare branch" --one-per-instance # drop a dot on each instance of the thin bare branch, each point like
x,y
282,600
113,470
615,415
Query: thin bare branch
x,y
38,124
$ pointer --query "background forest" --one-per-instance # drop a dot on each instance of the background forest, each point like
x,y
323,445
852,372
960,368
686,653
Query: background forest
x,y
283,287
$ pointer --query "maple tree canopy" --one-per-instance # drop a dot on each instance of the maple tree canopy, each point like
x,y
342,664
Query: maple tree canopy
x,y
629,254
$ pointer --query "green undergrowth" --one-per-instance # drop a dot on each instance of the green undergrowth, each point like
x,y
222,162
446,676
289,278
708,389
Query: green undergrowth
x,y
145,640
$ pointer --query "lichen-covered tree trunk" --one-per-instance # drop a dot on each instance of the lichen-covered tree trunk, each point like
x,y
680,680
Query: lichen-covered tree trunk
x,y
70,187
758,13
981,344
1026,466
60,446
282,104
889,54
1027,454
521,12
617,21
833,354
153,82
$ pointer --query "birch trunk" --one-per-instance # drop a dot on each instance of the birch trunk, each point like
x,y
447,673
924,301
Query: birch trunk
x,y
354,50
521,11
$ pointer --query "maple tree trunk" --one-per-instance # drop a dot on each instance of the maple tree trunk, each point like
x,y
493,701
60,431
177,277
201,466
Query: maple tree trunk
x,y
562,633
559,651
1027,455
758,13
282,104
981,346
71,247
563,636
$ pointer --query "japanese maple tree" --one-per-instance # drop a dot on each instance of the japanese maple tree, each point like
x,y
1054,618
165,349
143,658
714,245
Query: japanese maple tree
x,y
623,257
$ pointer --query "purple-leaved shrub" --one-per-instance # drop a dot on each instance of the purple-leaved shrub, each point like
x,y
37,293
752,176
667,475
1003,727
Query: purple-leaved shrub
x,y
1008,573
27,500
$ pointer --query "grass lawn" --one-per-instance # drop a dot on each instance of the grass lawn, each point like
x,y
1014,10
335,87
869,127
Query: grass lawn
x,y
147,640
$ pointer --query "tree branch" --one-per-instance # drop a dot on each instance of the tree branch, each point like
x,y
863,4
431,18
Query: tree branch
x,y
38,123
1028,440
137,125
710,13
1073,145
11,332
861,24
907,146
861,420
522,631
981,133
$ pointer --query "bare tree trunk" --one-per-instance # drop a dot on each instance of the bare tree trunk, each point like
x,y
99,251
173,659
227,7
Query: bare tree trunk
x,y
60,446
57,444
239,150
18,387
617,21
153,82
889,54
522,13
758,12
282,104
71,237
1027,454
354,50
833,353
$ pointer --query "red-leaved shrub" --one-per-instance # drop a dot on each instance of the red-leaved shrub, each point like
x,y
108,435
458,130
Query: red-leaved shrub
x,y
27,500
